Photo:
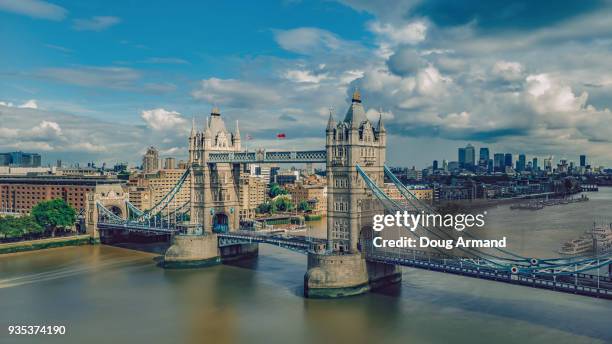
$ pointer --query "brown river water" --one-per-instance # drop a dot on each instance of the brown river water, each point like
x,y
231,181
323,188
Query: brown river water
x,y
105,294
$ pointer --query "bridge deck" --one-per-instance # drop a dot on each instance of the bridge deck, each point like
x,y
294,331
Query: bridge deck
x,y
137,227
297,243
582,284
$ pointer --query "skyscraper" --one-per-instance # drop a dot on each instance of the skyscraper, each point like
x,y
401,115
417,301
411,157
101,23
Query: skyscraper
x,y
521,163
470,156
508,160
435,165
150,161
583,161
20,159
483,156
466,157
498,162
534,164
461,157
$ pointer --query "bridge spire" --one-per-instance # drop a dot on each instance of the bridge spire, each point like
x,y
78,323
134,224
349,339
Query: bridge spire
x,y
192,126
237,136
356,96
380,126
331,123
206,127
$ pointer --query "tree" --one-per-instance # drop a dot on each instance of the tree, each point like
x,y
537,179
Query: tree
x,y
276,190
282,204
9,228
32,227
264,208
12,227
54,214
304,206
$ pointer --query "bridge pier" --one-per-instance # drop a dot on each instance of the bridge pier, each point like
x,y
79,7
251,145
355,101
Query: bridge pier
x,y
192,251
348,274
239,252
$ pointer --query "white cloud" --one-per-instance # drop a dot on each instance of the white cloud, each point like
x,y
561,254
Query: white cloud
x,y
235,93
46,130
97,23
304,76
162,119
309,41
410,33
349,76
430,81
30,104
374,114
34,8
510,71
172,151
9,133
166,60
548,96
458,120
109,77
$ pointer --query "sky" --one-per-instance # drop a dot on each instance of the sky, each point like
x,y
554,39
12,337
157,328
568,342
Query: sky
x,y
102,80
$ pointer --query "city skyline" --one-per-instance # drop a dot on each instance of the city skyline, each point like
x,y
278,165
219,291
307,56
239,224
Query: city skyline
x,y
513,86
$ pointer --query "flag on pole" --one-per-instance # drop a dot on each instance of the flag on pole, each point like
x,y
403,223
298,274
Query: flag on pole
x,y
281,136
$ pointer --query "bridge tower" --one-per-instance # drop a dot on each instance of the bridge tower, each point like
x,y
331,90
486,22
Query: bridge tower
x,y
342,270
215,201
354,141
214,187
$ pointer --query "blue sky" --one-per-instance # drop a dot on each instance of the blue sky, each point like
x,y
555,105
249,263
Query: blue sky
x,y
89,80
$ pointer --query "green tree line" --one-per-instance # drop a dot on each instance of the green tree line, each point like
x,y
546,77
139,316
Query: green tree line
x,y
46,219
281,204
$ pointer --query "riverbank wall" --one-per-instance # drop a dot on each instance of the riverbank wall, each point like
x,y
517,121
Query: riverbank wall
x,y
32,245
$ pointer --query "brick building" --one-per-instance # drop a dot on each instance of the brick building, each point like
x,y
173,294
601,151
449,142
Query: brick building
x,y
19,194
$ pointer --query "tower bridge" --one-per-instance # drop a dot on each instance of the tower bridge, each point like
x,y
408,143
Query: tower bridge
x,y
345,262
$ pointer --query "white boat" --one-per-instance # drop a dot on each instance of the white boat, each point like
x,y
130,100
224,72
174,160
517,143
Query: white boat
x,y
582,245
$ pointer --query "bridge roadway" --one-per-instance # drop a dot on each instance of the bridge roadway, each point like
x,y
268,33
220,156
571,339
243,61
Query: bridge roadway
x,y
138,227
582,284
297,243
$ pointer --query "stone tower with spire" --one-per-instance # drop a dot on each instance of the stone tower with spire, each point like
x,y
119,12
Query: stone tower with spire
x,y
214,194
351,142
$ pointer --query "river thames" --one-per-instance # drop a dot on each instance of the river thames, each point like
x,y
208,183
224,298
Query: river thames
x,y
105,294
